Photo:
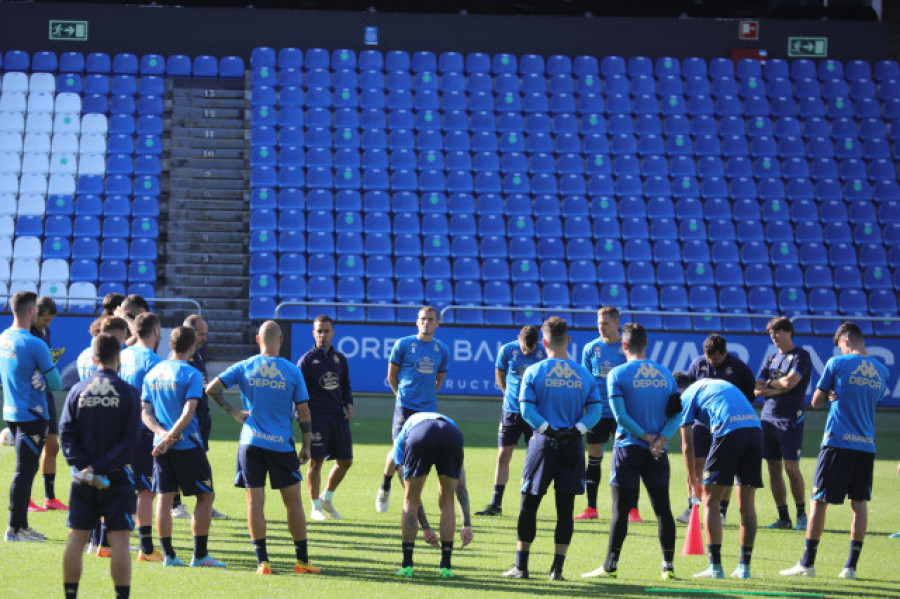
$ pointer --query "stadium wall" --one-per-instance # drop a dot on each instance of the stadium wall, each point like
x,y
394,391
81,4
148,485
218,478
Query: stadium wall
x,y
232,31
474,351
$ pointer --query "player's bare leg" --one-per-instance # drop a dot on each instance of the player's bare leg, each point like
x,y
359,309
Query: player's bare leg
x,y
313,483
409,522
337,474
296,521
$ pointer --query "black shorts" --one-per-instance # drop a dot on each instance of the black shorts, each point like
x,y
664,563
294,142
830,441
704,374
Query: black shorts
x,y
842,472
185,469
435,443
739,453
142,461
513,427
29,438
782,439
544,463
601,432
702,440
52,418
114,504
400,416
632,463
331,438
253,463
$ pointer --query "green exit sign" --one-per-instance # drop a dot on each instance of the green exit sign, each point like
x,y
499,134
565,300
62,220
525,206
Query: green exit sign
x,y
73,31
807,47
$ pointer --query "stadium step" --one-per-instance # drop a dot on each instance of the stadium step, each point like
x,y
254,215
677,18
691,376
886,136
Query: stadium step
x,y
208,290
220,174
179,180
200,143
230,195
208,162
228,239
179,153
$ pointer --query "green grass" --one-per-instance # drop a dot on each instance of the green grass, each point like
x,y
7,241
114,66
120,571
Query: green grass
x,y
360,554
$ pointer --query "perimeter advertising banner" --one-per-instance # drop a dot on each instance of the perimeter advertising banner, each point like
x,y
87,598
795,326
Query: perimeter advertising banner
x,y
474,351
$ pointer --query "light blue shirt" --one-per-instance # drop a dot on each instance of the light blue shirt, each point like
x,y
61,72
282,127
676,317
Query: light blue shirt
x,y
639,392
514,362
599,358
134,364
168,387
860,383
420,363
21,354
719,405
270,388
85,363
561,393
399,452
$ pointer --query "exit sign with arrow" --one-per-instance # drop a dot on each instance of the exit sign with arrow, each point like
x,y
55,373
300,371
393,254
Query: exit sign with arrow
x,y
73,31
807,47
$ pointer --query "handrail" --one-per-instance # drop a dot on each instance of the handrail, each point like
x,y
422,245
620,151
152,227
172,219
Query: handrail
x,y
170,300
343,304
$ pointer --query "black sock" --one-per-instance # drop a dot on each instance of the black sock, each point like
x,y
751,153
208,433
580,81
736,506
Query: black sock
x,y
146,533
176,501
104,539
408,554
801,510
301,550
123,592
446,553
200,550
522,560
497,501
49,482
855,548
723,507
715,553
259,547
386,484
809,556
166,544
783,513
70,589
558,561
746,554
592,480
612,559
690,503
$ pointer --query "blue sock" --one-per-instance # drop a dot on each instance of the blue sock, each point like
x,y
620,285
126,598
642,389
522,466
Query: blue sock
x,y
855,548
522,560
497,501
809,556
259,548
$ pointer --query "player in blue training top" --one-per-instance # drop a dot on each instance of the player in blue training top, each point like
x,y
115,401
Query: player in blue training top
x,y
417,367
715,363
428,439
782,382
99,430
645,402
851,385
40,328
135,362
736,451
327,377
27,373
170,394
600,356
272,391
560,400
513,359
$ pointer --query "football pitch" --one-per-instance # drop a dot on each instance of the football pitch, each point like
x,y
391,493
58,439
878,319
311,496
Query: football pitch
x,y
360,554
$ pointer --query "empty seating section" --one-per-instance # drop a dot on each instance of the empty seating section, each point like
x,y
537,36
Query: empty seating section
x,y
560,183
80,167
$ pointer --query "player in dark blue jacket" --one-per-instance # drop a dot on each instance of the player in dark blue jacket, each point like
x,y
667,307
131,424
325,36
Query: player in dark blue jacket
x,y
327,377
782,382
27,373
851,386
644,400
560,400
735,453
98,431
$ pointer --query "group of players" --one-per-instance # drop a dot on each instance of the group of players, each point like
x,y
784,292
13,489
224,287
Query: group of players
x,y
133,399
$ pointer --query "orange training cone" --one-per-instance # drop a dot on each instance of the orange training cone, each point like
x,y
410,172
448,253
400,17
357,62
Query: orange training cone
x,y
693,540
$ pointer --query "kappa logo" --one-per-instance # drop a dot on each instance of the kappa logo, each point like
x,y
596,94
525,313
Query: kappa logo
x,y
563,375
208,483
99,392
268,375
866,375
101,386
269,371
649,375
865,369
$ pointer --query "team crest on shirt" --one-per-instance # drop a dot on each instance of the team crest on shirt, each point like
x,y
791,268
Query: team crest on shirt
x,y
866,375
649,375
207,483
563,375
317,437
729,371
337,360
329,381
426,365
7,348
604,367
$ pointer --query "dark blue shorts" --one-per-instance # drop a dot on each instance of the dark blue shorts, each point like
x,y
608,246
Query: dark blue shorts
x,y
435,443
29,438
253,463
512,427
564,466
632,463
331,438
739,453
782,439
842,472
185,469
601,432
400,416
205,425
142,461
52,418
88,504
702,440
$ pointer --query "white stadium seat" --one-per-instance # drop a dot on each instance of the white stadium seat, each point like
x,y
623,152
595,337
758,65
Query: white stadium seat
x,y
41,102
6,240
92,144
35,162
86,291
39,122
22,286
42,82
61,185
4,271
13,102
32,204
10,162
66,123
55,270
12,122
64,163
25,270
68,102
8,204
65,142
10,142
37,142
92,164
56,290
15,82
27,248
94,124
9,183
33,183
